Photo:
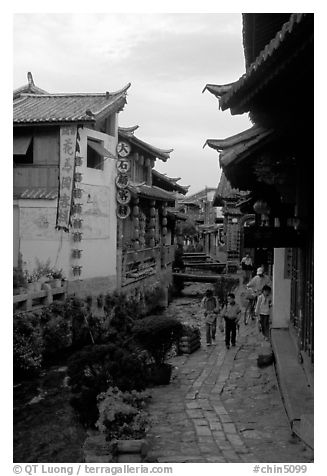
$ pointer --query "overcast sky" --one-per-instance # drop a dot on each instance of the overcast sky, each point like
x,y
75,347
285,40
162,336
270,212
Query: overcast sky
x,y
168,58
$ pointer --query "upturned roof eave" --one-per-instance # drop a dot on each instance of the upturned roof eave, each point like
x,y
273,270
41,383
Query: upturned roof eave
x,y
231,95
171,182
234,99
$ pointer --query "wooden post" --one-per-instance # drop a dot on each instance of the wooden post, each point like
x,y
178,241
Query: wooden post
x,y
136,223
152,223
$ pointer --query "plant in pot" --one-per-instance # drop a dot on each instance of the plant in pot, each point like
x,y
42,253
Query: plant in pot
x,y
57,277
157,335
43,271
31,280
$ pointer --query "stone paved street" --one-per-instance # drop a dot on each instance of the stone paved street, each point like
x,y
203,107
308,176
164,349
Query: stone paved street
x,y
220,407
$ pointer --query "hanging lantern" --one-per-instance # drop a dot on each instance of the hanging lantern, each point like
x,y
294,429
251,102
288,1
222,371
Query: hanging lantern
x,y
78,177
164,221
78,161
136,222
261,207
152,209
164,230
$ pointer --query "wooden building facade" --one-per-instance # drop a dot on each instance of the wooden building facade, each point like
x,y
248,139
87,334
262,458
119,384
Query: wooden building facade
x,y
273,162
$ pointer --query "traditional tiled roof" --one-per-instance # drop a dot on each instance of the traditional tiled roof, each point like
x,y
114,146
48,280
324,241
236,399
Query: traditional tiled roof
x,y
283,44
171,182
156,153
172,212
195,197
35,193
28,88
155,193
237,147
52,108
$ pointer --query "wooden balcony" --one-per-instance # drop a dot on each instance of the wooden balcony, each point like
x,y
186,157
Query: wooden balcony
x,y
137,265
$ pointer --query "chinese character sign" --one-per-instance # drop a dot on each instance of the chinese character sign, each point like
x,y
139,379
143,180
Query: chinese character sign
x,y
123,166
66,175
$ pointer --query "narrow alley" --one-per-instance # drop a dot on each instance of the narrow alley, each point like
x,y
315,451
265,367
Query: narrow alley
x,y
220,406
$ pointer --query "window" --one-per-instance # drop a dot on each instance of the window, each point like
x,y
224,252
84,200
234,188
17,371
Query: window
x,y
95,154
23,150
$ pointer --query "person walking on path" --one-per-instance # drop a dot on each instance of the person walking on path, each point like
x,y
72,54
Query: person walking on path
x,y
247,267
259,281
231,314
263,310
211,308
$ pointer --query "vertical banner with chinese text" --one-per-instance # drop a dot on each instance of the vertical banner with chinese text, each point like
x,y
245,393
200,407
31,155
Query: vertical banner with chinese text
x,y
66,175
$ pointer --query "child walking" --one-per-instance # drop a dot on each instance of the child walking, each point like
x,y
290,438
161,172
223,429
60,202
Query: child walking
x,y
231,314
263,310
211,309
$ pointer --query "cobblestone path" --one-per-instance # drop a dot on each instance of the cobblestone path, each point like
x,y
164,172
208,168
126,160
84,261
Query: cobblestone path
x,y
209,412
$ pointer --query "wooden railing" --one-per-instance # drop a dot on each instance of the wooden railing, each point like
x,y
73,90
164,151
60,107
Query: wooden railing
x,y
143,263
167,255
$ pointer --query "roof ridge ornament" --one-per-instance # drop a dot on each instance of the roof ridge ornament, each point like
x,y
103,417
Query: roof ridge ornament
x,y
30,79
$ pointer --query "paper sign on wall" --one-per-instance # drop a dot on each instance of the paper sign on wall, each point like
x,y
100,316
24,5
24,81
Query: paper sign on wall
x,y
68,136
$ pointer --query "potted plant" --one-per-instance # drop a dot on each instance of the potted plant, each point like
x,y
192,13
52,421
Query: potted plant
x,y
57,277
157,335
32,281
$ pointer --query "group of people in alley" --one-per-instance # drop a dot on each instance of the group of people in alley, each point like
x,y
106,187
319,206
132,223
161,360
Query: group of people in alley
x,y
229,313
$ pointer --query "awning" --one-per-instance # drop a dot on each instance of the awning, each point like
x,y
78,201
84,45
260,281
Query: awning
x,y
98,147
35,193
21,144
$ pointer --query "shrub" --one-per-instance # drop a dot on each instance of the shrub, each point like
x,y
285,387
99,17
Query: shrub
x,y
157,334
27,345
75,310
94,368
122,415
57,335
